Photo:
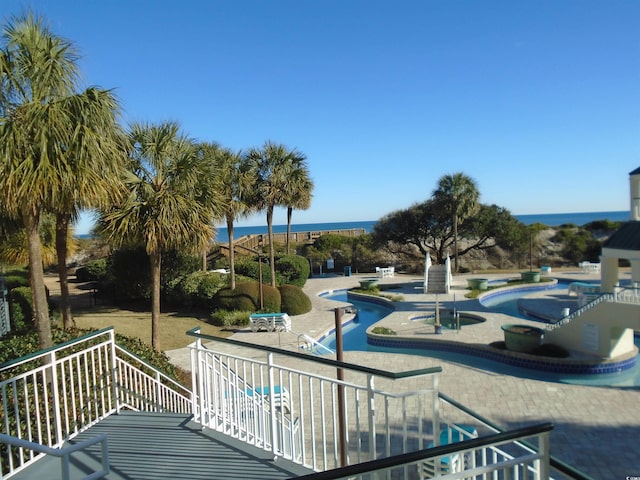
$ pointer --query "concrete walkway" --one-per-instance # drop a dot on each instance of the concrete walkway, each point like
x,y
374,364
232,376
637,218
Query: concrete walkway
x,y
596,428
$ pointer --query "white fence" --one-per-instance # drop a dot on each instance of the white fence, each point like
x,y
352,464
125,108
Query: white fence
x,y
48,398
270,402
295,414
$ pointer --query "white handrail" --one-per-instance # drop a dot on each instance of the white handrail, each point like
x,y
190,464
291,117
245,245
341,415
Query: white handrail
x,y
315,343
578,312
65,452
50,397
620,295
307,430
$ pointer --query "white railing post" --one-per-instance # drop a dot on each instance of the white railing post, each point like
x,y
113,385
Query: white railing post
x,y
371,413
55,395
200,392
159,404
545,453
195,374
114,371
436,410
272,408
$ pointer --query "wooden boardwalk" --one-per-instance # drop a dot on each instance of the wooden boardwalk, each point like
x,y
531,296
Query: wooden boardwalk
x,y
251,244
166,446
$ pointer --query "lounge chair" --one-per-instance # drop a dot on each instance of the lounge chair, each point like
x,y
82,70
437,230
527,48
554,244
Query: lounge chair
x,y
280,396
454,463
271,322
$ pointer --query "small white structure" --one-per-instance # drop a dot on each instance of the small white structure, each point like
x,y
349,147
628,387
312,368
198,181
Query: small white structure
x,y
589,267
386,272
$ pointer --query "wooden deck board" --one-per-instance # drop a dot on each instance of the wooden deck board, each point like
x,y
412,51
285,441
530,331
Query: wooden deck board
x,y
158,446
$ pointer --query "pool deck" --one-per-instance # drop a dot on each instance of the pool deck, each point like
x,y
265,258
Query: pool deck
x,y
596,428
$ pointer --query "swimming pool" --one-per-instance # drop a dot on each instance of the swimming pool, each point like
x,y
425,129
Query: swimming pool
x,y
355,339
506,302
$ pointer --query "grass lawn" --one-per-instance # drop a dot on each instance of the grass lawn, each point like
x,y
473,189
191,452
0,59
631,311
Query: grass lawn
x,y
133,323
138,324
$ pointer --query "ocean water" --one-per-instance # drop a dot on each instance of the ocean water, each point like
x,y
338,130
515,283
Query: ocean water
x,y
549,219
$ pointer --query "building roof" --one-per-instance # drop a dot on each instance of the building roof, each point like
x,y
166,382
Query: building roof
x,y
626,237
635,172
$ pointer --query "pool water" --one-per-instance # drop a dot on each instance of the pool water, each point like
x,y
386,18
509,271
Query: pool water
x,y
354,333
507,302
355,339
448,321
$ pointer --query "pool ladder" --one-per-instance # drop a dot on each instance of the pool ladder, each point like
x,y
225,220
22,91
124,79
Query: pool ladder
x,y
305,342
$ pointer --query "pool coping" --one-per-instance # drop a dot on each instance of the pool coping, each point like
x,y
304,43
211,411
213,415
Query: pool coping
x,y
574,366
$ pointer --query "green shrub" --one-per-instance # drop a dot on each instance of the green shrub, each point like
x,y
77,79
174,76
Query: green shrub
x,y
176,264
12,281
369,290
147,353
393,298
602,226
383,331
235,318
18,344
579,245
20,305
292,270
129,276
251,269
294,300
197,289
92,271
331,241
246,297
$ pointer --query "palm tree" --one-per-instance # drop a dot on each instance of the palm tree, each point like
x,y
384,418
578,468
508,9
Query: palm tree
x,y
232,173
458,195
12,239
207,153
14,248
168,205
38,72
97,154
270,166
299,190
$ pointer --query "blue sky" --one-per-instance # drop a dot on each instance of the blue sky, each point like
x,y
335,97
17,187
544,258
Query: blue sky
x,y
538,101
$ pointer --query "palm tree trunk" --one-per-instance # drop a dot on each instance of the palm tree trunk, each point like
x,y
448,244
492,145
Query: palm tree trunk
x,y
289,213
272,255
62,228
156,262
31,221
232,253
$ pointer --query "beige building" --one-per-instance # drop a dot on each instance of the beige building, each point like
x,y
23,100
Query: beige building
x,y
604,327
